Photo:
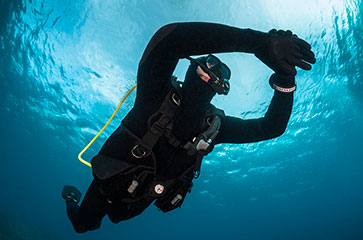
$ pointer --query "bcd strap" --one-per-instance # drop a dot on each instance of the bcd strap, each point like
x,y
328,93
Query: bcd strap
x,y
167,112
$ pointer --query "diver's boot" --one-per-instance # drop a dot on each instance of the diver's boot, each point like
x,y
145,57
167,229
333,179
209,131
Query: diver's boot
x,y
70,193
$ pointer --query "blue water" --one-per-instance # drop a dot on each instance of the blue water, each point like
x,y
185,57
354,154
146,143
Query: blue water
x,y
65,65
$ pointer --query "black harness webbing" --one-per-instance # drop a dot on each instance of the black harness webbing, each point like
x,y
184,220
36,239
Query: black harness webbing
x,y
199,146
143,182
167,110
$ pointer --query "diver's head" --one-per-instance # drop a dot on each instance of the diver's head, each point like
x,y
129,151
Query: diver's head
x,y
214,72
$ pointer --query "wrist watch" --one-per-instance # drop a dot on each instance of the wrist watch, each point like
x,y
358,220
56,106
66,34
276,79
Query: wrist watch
x,y
284,90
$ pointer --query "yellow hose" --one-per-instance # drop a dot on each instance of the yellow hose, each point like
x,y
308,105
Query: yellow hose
x,y
114,113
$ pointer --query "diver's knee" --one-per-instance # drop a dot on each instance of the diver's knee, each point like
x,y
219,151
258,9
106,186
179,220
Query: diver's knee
x,y
80,229
116,218
83,229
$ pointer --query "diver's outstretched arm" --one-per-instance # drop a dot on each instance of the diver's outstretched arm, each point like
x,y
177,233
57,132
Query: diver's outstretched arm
x,y
280,50
272,125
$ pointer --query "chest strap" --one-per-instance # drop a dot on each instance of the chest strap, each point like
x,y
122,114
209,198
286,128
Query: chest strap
x,y
165,116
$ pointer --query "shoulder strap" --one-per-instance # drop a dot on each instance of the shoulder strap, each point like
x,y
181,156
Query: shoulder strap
x,y
167,112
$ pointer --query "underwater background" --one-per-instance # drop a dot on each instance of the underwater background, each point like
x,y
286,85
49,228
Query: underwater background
x,y
65,65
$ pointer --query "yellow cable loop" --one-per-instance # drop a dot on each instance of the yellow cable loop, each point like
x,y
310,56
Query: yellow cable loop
x,y
114,113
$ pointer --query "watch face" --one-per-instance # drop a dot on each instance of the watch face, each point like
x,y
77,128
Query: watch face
x,y
159,189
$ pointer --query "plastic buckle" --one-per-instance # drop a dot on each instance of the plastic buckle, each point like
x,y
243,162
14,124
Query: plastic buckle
x,y
144,153
175,99
159,126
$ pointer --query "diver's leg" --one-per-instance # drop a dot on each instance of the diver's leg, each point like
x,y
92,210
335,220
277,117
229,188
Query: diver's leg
x,y
121,212
93,208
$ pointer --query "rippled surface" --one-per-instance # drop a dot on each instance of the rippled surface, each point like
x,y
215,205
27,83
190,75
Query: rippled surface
x,y
64,66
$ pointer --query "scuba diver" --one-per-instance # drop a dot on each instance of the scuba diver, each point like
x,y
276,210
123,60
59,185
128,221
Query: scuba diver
x,y
157,151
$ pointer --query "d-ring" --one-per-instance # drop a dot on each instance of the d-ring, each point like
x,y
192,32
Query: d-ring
x,y
175,99
135,155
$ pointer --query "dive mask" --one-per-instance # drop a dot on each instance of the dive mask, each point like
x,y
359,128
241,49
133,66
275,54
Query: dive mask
x,y
218,72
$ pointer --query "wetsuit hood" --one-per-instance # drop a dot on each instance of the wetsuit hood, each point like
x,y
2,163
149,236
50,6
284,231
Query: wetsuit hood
x,y
197,96
194,88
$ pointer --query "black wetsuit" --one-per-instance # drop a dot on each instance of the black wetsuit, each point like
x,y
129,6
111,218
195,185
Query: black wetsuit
x,y
171,43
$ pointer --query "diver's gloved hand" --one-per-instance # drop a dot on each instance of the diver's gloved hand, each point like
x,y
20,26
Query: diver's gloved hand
x,y
282,51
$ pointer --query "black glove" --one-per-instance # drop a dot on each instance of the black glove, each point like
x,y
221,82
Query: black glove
x,y
282,51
